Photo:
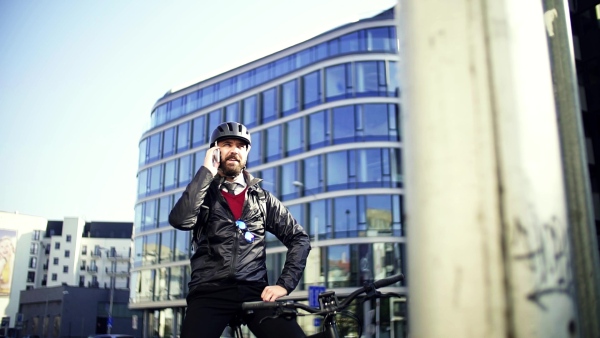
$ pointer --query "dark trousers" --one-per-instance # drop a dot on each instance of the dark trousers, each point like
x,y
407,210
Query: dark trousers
x,y
211,308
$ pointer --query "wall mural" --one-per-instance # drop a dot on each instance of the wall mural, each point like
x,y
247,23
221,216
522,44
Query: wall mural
x,y
7,259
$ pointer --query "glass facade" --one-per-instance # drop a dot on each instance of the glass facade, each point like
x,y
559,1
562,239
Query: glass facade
x,y
325,128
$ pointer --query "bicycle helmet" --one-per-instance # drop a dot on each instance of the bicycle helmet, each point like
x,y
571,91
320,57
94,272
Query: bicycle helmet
x,y
230,130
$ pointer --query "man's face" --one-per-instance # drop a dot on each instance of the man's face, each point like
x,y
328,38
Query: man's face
x,y
234,154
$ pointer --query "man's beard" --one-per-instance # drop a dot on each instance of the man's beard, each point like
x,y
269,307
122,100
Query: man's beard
x,y
231,170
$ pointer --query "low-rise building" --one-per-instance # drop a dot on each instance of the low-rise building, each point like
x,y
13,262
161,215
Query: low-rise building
x,y
57,274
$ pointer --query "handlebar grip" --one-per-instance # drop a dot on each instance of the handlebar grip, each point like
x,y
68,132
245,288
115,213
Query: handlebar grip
x,y
388,281
259,305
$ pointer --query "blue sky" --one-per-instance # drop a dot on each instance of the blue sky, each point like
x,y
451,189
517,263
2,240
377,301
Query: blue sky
x,y
78,80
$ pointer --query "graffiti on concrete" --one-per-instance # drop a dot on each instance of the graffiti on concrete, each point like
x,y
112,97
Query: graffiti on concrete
x,y
545,248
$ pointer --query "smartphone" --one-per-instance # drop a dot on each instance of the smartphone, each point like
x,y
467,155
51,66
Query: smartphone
x,y
216,157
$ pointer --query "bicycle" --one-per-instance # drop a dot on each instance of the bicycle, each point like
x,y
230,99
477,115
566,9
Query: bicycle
x,y
329,307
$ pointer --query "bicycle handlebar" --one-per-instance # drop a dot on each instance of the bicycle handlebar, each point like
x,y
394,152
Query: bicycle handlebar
x,y
261,305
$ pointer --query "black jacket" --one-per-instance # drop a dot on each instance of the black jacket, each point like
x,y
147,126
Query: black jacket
x,y
222,254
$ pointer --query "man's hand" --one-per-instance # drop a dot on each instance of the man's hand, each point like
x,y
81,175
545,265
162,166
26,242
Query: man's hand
x,y
208,160
272,292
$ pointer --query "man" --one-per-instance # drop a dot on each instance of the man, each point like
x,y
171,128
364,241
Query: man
x,y
229,215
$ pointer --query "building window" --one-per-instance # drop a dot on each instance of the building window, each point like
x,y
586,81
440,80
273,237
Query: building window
x,y
289,97
54,277
37,234
156,179
343,126
31,277
311,89
370,78
185,170
65,268
232,112
33,262
82,266
170,174
198,131
294,133
318,129
169,142
57,245
269,105
256,155
55,262
155,147
68,238
67,253
273,143
183,137
338,82
249,112
34,248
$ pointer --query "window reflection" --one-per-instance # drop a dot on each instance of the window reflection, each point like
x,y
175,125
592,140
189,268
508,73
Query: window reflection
x,y
313,175
337,170
143,183
366,78
338,82
250,115
273,143
376,123
317,128
166,246
143,157
311,89
294,133
215,118
177,282
269,105
289,174
149,219
232,113
170,174
163,211
343,124
338,263
183,137
255,156
289,97
345,217
169,142
155,147
182,245
150,249
198,131
354,264
185,170
155,179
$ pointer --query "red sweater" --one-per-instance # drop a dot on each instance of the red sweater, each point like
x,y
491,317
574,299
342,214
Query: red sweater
x,y
235,202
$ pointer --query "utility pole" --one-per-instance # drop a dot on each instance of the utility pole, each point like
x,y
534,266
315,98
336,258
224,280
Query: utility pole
x,y
488,229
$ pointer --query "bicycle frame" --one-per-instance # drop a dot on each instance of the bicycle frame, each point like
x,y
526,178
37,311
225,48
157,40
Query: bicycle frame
x,y
328,305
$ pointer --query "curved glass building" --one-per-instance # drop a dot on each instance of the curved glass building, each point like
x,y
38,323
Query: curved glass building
x,y
325,122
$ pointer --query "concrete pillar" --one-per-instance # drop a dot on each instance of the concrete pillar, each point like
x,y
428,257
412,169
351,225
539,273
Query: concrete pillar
x,y
487,227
